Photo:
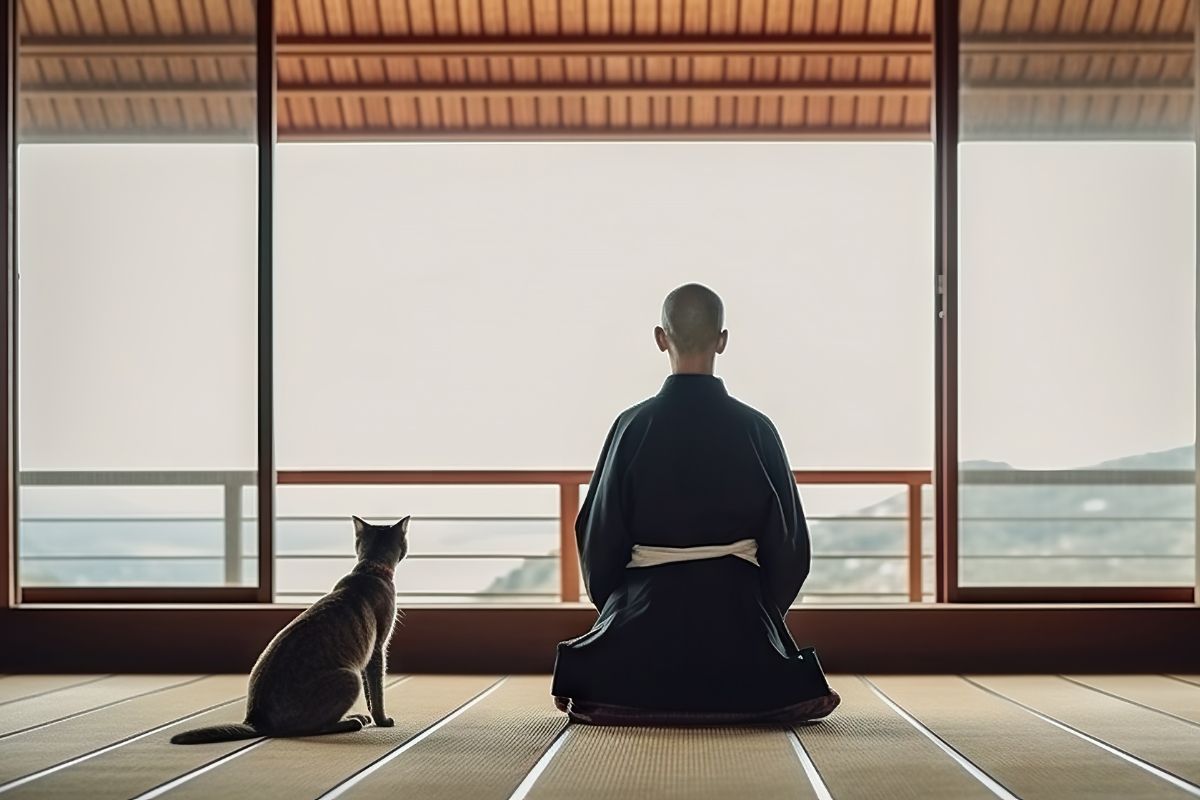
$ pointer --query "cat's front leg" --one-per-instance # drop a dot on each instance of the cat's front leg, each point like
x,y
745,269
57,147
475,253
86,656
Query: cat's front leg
x,y
373,678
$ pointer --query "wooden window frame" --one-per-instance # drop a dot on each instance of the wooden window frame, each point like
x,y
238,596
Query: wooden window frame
x,y
945,476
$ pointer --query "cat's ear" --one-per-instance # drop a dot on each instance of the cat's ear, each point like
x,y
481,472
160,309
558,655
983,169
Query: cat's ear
x,y
360,527
402,525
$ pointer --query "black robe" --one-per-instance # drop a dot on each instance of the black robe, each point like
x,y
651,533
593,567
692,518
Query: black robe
x,y
691,466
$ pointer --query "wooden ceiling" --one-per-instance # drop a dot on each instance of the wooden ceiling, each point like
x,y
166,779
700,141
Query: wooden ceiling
x,y
119,70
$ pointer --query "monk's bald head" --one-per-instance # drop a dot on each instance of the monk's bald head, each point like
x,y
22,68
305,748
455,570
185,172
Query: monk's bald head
x,y
693,318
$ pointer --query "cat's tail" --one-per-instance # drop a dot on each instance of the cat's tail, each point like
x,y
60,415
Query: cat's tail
x,y
216,733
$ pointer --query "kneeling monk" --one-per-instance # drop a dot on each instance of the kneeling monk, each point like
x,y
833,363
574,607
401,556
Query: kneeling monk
x,y
693,544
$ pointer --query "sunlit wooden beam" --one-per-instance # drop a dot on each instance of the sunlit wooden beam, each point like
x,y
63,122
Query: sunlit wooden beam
x,y
574,90
593,47
632,134
195,90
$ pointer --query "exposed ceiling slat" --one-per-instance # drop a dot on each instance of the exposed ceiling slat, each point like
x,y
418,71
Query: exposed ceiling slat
x,y
794,68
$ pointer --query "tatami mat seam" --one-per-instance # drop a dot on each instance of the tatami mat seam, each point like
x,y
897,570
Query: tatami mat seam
x,y
192,774
56,689
970,767
1183,680
1153,769
402,747
811,771
94,709
1131,702
71,762
543,761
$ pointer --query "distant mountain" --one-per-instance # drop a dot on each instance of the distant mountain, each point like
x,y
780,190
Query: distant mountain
x,y
534,575
1176,458
1010,534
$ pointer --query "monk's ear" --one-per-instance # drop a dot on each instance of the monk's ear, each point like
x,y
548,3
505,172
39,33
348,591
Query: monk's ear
x,y
660,338
722,341
360,527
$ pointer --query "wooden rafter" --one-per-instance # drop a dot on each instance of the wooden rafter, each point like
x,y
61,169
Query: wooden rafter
x,y
593,47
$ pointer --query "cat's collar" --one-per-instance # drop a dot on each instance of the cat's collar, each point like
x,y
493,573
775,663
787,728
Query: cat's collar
x,y
378,570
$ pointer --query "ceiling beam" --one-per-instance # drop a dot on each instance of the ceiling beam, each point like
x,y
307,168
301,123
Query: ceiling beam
x,y
1073,88
1036,44
761,89
193,90
334,47
498,134
631,134
593,47
1046,132
602,47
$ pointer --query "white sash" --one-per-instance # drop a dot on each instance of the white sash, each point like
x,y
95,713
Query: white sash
x,y
648,556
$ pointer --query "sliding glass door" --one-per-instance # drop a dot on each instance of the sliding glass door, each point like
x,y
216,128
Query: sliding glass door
x,y
1077,300
138,300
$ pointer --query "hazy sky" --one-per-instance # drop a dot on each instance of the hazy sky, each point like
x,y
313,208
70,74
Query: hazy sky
x,y
1078,301
491,305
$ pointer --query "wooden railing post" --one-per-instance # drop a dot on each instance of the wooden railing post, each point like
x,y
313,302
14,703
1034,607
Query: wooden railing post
x,y
233,532
568,558
916,592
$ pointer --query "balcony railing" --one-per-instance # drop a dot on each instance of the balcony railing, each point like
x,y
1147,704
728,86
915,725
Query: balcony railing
x,y
237,528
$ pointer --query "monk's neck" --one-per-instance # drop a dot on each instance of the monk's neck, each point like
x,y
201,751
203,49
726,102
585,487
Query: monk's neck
x,y
693,365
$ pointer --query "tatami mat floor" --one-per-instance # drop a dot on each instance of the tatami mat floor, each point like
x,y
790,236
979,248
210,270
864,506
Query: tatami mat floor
x,y
496,738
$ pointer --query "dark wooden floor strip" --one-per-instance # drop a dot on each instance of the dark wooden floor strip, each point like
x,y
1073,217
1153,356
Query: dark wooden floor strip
x,y
308,768
142,765
21,687
31,713
56,743
1030,757
666,763
1175,699
483,754
865,750
1170,744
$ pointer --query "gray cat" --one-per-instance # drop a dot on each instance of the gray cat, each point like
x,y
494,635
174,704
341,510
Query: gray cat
x,y
309,676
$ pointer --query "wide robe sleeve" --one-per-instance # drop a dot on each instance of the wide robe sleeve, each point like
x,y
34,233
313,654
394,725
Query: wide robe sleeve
x,y
600,530
784,549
